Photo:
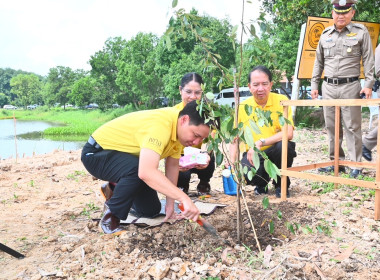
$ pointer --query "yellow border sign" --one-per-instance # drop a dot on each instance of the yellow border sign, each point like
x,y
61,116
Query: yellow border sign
x,y
314,28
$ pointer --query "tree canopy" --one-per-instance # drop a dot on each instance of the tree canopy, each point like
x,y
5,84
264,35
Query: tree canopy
x,y
146,67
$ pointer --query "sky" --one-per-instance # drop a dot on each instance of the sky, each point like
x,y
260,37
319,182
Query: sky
x,y
42,34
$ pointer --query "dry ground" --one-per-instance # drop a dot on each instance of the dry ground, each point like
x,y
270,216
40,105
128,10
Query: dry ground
x,y
47,203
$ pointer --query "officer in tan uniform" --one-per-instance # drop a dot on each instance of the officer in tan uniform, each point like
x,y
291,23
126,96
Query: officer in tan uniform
x,y
339,52
370,140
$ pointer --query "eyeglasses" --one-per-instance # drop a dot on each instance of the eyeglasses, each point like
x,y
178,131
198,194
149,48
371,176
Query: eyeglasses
x,y
195,92
264,85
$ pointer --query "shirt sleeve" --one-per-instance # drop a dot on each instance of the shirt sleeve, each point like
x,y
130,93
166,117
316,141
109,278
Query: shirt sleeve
x,y
377,61
318,66
368,60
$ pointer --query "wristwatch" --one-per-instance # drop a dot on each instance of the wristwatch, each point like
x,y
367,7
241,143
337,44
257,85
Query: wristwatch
x,y
262,140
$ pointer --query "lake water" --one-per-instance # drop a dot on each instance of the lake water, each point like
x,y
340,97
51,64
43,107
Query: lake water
x,y
29,139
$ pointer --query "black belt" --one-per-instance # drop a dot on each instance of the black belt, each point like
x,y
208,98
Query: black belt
x,y
339,81
93,143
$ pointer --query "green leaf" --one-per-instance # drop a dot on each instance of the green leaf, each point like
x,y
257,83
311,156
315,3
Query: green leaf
x,y
234,29
281,120
290,227
254,127
245,169
271,227
219,158
309,229
319,229
249,137
174,3
250,175
271,169
252,30
248,109
210,96
279,214
265,202
168,42
256,160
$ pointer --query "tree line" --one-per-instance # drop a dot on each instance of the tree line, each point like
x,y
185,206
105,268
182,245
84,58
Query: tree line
x,y
140,70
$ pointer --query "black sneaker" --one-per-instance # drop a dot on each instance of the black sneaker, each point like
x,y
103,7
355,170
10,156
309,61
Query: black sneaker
x,y
367,154
329,169
203,188
260,191
278,193
355,173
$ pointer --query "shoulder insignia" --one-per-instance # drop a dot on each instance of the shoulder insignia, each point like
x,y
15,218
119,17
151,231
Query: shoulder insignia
x,y
359,25
327,29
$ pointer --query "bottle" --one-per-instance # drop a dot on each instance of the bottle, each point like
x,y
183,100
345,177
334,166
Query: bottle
x,y
229,184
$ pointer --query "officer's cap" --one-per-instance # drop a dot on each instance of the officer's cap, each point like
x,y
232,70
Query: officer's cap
x,y
343,6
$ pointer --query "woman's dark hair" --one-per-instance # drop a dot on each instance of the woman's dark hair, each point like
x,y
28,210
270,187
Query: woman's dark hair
x,y
192,76
263,69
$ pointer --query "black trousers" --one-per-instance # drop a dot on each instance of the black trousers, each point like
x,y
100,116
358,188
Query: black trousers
x,y
203,174
261,179
130,191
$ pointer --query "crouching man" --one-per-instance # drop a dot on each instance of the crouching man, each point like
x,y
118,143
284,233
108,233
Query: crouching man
x,y
128,149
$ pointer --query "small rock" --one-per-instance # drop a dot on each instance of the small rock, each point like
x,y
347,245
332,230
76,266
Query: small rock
x,y
202,269
159,270
353,218
317,191
366,236
333,195
6,167
214,272
211,261
335,272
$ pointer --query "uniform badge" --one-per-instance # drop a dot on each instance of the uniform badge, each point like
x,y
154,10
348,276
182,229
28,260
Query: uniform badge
x,y
351,34
342,2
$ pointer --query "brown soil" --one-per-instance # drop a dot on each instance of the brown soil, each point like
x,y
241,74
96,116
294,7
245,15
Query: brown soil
x,y
48,202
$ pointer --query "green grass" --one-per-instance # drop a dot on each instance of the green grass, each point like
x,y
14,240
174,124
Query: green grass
x,y
76,124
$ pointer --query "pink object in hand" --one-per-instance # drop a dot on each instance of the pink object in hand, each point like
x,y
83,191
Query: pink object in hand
x,y
190,161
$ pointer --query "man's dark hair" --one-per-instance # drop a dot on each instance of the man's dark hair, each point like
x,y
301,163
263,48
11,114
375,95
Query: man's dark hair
x,y
260,68
196,118
192,76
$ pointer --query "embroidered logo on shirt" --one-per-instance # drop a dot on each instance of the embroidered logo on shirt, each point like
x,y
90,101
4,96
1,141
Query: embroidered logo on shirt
x,y
155,141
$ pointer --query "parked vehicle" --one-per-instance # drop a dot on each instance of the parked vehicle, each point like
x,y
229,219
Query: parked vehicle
x,y
115,105
226,96
32,107
92,106
9,107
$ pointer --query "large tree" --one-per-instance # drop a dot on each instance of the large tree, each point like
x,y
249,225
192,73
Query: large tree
x,y
136,75
27,88
103,64
59,83
212,40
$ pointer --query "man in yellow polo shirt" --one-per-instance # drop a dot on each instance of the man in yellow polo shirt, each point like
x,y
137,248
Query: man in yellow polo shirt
x,y
127,150
270,140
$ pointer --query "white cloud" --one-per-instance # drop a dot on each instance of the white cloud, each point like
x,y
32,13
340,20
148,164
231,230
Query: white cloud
x,y
41,34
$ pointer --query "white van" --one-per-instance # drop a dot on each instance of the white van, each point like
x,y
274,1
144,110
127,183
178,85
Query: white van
x,y
226,96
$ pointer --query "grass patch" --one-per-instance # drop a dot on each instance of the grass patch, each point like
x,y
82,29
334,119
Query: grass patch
x,y
76,123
